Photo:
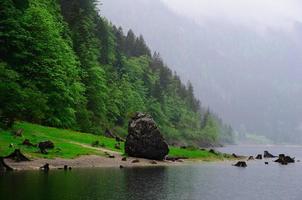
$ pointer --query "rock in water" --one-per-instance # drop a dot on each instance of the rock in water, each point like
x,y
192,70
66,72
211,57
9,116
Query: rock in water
x,y
284,160
259,157
268,155
241,164
144,139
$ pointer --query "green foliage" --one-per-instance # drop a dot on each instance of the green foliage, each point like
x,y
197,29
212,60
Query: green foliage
x,y
65,66
71,144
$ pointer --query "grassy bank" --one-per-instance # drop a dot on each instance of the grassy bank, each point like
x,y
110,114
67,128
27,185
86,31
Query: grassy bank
x,y
71,144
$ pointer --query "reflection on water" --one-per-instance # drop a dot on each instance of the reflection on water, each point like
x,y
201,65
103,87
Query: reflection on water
x,y
210,181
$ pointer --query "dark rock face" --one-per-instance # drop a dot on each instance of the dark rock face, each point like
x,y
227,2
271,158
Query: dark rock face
x,y
144,139
268,155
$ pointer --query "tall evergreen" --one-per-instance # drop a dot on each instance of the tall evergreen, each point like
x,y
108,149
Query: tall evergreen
x,y
63,65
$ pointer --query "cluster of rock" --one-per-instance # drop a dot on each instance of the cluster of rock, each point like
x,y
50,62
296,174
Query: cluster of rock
x,y
282,159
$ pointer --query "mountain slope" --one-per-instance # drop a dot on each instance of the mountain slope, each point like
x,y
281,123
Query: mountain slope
x,y
250,78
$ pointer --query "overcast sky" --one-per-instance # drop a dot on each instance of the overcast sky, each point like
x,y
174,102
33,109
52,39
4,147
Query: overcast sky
x,y
261,13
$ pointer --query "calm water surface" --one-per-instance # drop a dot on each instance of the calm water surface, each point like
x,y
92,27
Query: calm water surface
x,y
211,181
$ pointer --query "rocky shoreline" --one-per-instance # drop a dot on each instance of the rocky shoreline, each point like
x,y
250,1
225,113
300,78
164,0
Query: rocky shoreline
x,y
90,161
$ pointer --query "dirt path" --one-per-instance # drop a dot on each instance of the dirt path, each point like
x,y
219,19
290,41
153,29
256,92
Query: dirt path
x,y
96,148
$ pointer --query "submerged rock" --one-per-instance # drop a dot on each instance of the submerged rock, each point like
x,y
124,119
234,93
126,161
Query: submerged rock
x,y
144,139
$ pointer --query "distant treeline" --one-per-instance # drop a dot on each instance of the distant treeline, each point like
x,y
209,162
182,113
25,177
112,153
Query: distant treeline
x,y
64,65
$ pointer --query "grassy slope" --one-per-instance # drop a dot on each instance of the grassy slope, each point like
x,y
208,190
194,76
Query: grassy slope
x,y
67,143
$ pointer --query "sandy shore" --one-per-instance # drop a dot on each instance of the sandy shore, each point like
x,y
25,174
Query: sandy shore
x,y
89,161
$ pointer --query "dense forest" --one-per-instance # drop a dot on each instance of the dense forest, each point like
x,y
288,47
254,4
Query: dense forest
x,y
63,65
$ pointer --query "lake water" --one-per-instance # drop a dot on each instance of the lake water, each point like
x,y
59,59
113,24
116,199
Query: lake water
x,y
209,181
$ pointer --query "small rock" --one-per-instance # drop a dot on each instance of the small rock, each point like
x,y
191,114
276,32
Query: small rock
x,y
135,161
241,164
124,159
268,155
213,151
117,146
234,155
251,158
153,162
259,157
65,167
43,146
95,143
266,163
26,142
111,156
121,166
284,160
45,167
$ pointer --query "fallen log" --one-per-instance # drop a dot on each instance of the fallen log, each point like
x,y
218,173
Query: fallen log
x,y
17,156
3,166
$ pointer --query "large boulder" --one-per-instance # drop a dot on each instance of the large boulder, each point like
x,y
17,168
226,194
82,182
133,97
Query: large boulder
x,y
144,139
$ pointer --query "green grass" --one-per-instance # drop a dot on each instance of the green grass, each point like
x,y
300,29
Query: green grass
x,y
198,154
69,144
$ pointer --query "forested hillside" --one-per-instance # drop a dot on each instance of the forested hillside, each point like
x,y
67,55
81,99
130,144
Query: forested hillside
x,y
63,65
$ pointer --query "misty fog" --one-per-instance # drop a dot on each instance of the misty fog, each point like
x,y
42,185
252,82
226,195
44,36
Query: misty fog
x,y
243,57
